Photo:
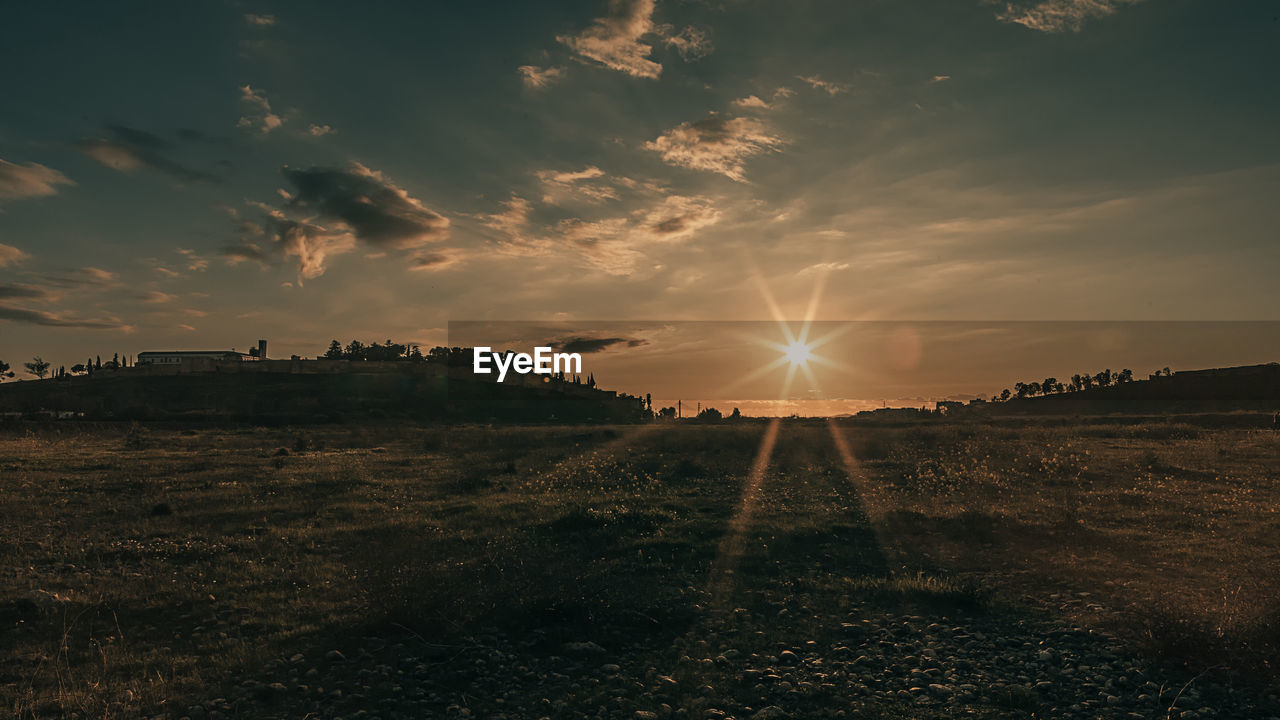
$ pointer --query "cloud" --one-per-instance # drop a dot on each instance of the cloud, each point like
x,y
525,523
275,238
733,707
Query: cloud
x,y
677,218
376,211
156,297
260,116
1055,16
615,39
10,255
19,291
310,243
47,319
29,181
320,130
126,149
512,220
260,20
186,327
817,83
435,260
751,102
716,144
823,268
940,78
611,244
95,276
536,78
692,43
195,263
245,252
559,186
588,345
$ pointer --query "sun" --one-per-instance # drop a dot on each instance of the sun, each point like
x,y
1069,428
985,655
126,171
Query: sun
x,y
798,352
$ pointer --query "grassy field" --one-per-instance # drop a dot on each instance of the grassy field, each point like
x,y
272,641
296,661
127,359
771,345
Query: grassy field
x,y
754,570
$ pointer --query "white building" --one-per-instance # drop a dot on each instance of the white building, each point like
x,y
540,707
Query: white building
x,y
179,357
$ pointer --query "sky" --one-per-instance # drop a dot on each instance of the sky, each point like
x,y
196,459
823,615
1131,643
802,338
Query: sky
x,y
202,175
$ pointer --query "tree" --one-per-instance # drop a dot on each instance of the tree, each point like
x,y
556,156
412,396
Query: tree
x,y
1103,378
4,371
415,354
710,415
648,402
1004,394
1050,385
1125,376
735,415
37,367
667,413
334,352
1021,389
1077,383
354,351
78,369
1087,380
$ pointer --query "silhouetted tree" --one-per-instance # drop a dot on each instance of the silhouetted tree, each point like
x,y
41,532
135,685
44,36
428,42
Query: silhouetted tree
x,y
648,402
1125,376
334,352
5,374
78,369
1077,382
37,367
415,354
354,351
1050,385
667,413
1021,389
735,415
1004,394
591,380
1103,379
710,415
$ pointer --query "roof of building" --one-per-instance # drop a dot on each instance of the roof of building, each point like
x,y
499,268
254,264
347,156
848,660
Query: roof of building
x,y
192,352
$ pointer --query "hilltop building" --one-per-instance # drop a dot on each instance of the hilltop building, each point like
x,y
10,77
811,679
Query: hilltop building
x,y
191,358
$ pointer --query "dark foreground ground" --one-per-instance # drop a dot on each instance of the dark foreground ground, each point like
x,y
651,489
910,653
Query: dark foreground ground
x,y
749,571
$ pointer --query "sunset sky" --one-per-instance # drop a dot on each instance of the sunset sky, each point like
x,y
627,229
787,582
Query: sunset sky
x,y
201,175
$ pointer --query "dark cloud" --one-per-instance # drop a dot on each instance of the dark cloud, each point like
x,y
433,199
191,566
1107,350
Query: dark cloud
x,y
27,292
377,212
37,317
588,345
126,149
81,277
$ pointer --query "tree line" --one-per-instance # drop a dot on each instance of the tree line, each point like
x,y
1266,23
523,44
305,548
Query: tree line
x,y
1079,382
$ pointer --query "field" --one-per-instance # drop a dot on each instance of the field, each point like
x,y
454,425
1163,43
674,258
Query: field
x,y
753,570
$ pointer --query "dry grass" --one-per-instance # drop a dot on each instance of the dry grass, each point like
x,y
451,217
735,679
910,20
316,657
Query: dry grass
x,y
1165,533
282,540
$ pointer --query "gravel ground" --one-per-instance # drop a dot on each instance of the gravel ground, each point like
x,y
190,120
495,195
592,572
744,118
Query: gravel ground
x,y
867,663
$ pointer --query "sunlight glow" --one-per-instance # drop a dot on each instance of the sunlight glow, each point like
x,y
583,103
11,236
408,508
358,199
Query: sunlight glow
x,y
798,353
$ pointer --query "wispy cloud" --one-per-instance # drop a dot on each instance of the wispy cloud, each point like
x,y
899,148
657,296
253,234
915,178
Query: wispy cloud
x,y
20,291
10,255
716,144
48,319
559,187
1055,16
621,39
615,39
126,149
155,297
826,86
536,78
260,116
259,20
29,181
